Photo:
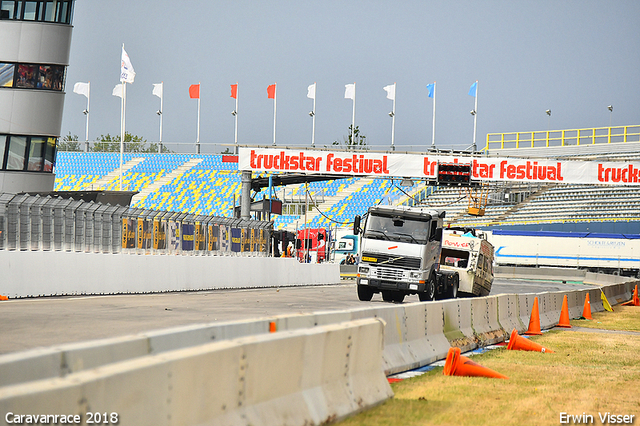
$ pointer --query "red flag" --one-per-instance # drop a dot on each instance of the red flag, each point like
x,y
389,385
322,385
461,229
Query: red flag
x,y
271,91
194,91
234,91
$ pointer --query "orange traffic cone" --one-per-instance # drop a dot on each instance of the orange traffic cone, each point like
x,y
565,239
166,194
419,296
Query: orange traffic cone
x,y
458,365
519,343
635,301
586,311
534,321
564,314
272,327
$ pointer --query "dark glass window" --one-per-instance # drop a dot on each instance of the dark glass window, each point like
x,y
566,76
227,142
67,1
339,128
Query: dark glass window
x,y
36,154
41,152
60,11
7,9
50,155
30,11
30,76
27,76
17,151
6,75
3,144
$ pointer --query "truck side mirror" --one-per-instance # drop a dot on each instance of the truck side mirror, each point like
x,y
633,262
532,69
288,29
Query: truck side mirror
x,y
438,235
356,225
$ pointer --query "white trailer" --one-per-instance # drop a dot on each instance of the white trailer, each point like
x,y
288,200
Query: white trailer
x,y
609,253
468,253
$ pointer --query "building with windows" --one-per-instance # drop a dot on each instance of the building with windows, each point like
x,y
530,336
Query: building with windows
x,y
34,55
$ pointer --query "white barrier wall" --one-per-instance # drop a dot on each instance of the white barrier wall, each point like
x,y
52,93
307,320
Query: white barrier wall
x,y
310,376
47,273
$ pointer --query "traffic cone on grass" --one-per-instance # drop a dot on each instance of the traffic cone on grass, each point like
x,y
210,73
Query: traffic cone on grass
x,y
635,301
586,311
564,314
458,365
534,321
519,343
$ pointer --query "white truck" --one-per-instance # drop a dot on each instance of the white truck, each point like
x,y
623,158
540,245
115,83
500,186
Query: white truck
x,y
468,253
400,251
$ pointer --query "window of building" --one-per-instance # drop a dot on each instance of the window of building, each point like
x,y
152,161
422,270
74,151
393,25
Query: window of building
x,y
6,75
30,76
50,155
27,76
3,144
16,152
36,154
30,153
30,11
59,11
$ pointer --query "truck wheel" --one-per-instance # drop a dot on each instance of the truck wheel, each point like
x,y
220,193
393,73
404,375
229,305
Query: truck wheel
x,y
453,291
387,296
365,293
430,290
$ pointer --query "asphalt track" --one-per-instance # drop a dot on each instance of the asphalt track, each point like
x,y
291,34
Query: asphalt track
x,y
50,321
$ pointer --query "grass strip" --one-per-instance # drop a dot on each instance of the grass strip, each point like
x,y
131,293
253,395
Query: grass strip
x,y
590,374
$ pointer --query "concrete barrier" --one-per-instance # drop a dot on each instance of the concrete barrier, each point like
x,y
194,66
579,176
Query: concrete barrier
x,y
484,319
508,314
65,273
457,324
311,376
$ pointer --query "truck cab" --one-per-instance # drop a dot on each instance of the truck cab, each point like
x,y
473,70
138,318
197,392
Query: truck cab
x,y
400,253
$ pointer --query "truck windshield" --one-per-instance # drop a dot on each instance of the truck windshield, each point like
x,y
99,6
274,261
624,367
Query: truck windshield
x,y
394,228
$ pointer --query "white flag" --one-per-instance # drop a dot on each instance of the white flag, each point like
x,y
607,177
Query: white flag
x,y
391,91
311,91
117,91
157,90
81,89
127,74
350,91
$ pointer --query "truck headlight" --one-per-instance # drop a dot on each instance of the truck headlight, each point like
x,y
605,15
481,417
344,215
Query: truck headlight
x,y
363,269
415,275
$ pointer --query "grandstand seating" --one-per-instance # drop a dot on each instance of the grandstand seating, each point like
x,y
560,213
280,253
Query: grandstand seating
x,y
210,187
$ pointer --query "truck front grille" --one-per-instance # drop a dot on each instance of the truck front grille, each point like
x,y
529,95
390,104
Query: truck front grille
x,y
396,262
389,274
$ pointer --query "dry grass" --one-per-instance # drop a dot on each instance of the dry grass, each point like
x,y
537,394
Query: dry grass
x,y
589,373
625,318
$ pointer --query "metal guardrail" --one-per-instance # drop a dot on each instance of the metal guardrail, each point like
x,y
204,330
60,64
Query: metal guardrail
x,y
32,223
567,137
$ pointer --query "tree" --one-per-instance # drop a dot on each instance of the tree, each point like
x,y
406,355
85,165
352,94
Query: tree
x,y
359,141
132,143
69,143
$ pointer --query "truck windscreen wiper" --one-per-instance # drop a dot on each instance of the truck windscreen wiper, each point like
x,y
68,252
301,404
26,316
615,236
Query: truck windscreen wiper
x,y
407,235
384,234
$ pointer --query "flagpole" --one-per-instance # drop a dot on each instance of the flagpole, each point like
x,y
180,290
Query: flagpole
x,y
161,109
393,119
475,119
236,117
313,121
433,127
122,127
353,117
198,130
86,143
275,97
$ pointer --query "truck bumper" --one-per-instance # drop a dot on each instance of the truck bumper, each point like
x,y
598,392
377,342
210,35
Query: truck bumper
x,y
379,285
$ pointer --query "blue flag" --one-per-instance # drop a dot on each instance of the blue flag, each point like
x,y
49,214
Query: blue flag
x,y
431,88
473,89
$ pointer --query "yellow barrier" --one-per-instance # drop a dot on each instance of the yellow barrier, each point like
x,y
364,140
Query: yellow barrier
x,y
567,137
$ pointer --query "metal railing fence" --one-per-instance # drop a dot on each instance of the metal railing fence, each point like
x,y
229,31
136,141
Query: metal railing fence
x,y
33,223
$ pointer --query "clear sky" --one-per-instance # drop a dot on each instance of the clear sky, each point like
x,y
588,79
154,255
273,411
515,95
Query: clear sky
x,y
572,57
